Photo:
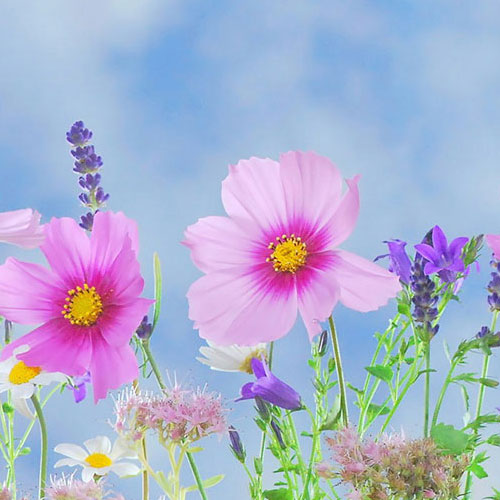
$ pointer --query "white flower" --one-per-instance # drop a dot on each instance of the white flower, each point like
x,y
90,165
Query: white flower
x,y
231,358
21,380
99,459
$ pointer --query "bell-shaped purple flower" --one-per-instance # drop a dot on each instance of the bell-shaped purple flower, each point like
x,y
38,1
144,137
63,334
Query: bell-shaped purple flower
x,y
270,388
442,258
80,387
399,262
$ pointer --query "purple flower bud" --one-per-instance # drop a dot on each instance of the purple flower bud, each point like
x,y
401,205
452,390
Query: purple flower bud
x,y
236,444
399,262
78,135
494,286
100,196
270,388
323,343
87,221
84,198
145,329
277,432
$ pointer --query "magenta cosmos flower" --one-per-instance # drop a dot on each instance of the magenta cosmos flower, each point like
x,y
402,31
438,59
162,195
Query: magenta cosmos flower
x,y
493,241
21,227
277,252
88,301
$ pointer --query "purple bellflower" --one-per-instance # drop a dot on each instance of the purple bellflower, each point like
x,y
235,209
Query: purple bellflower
x,y
270,388
399,262
80,387
442,258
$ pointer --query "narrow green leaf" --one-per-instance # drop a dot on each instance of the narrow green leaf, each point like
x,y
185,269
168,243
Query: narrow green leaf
x,y
478,471
494,440
207,483
379,371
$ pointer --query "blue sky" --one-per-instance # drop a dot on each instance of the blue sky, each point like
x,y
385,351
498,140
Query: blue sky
x,y
405,93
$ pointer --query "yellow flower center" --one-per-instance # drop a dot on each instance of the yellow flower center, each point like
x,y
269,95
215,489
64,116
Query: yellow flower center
x,y
20,373
98,460
83,306
246,365
289,253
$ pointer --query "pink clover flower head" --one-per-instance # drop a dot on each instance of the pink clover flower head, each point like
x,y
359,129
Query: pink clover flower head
x,y
324,470
88,301
276,252
270,388
21,228
354,495
68,488
493,241
176,415
442,258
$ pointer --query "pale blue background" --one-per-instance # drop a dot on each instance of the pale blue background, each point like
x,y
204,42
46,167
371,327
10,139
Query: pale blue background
x,y
405,93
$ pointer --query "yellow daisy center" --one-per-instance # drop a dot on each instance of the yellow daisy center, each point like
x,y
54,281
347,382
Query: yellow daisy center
x,y
83,306
289,253
20,373
246,365
98,460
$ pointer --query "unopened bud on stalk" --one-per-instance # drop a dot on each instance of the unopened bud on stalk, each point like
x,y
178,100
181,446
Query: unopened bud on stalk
x,y
236,444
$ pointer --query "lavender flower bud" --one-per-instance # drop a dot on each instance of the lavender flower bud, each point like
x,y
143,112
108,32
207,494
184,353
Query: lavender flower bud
x,y
494,286
87,221
145,329
236,444
78,135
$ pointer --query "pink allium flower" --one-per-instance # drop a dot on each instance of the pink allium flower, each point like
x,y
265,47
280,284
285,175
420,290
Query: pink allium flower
x,y
88,301
493,241
277,252
21,227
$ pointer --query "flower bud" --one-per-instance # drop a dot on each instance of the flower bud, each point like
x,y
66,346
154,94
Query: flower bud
x,y
236,444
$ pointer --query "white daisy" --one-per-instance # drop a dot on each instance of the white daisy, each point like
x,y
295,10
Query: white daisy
x,y
231,358
99,458
22,380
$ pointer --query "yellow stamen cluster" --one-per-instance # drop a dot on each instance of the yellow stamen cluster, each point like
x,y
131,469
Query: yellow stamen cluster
x,y
289,253
83,306
20,373
246,365
98,460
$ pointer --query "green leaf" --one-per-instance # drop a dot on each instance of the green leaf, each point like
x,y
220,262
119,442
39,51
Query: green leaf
x,y
382,372
25,451
465,377
360,392
450,440
488,382
478,471
207,483
331,365
376,410
158,285
494,440
332,419
7,408
278,494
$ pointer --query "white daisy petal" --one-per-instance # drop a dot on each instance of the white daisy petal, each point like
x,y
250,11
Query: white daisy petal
x,y
87,474
21,405
123,469
46,378
99,444
122,449
71,451
23,391
67,461
231,358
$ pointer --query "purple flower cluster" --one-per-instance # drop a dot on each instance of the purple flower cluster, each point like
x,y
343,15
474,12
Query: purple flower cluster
x,y
87,163
393,467
494,286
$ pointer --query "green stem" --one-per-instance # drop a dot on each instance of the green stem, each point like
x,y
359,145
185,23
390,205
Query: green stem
x,y
196,475
446,384
340,373
162,385
152,362
11,479
427,388
479,405
44,446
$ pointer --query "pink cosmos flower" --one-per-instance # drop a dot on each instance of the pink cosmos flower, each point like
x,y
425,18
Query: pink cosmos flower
x,y
88,301
21,227
277,252
493,241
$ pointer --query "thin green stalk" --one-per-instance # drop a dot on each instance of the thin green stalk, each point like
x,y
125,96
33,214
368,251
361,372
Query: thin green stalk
x,y
162,385
340,372
446,384
11,478
44,446
196,475
152,362
312,458
480,399
427,387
